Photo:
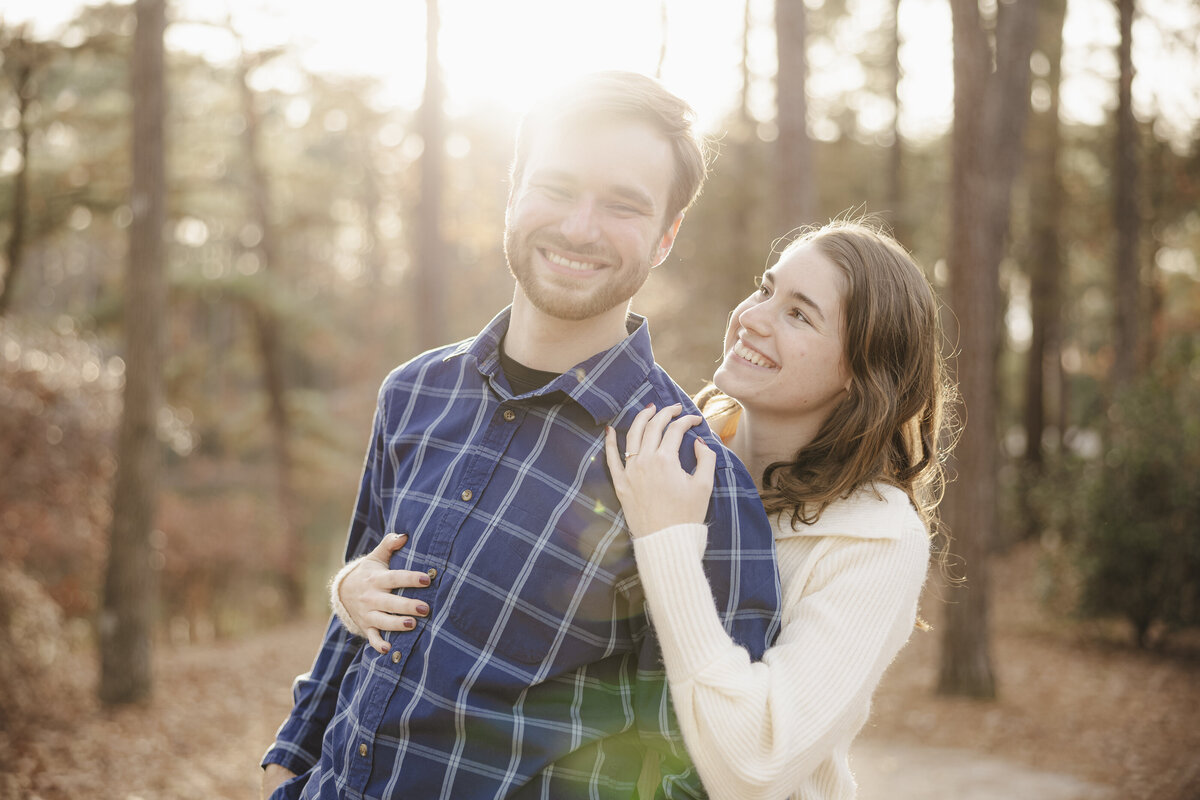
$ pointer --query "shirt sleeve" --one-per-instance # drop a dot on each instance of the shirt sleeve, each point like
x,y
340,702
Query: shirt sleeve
x,y
758,729
741,596
297,744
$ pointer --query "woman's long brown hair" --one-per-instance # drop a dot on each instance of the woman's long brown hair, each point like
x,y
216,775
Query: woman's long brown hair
x,y
892,426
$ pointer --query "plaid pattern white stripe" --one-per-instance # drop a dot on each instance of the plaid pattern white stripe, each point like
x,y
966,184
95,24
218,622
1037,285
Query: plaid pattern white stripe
x,y
536,673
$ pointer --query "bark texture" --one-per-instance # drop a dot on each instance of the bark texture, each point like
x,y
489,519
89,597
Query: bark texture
x,y
130,585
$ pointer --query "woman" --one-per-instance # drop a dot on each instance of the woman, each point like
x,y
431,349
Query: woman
x,y
831,392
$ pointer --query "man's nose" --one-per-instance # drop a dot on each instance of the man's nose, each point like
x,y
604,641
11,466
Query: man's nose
x,y
581,225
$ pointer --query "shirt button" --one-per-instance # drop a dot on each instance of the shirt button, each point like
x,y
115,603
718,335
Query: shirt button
x,y
467,494
509,415
395,660
431,572
362,750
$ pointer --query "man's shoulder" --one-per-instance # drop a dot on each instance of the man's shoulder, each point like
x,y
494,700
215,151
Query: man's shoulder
x,y
430,365
665,391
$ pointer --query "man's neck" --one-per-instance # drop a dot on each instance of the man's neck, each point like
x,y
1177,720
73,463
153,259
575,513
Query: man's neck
x,y
547,343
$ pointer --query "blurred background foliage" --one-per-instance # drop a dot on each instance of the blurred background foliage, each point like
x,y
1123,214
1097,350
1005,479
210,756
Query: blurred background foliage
x,y
1113,491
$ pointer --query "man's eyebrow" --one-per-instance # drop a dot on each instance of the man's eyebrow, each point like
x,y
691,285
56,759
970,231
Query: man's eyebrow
x,y
632,194
799,296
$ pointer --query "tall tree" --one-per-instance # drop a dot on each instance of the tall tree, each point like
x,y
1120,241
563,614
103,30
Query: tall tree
x,y
991,102
741,146
22,58
130,585
429,297
796,193
664,29
269,333
895,178
1045,264
1126,219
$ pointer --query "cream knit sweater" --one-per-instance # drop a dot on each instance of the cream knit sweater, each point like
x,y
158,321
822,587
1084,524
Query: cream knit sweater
x,y
782,727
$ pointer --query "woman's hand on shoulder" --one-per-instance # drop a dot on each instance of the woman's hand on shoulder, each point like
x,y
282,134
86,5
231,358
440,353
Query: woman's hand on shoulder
x,y
366,593
654,489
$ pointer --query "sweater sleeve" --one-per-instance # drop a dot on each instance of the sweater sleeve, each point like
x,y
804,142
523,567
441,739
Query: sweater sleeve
x,y
759,729
335,599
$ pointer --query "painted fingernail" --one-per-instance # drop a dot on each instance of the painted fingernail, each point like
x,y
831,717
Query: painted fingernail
x,y
385,648
409,624
423,580
422,609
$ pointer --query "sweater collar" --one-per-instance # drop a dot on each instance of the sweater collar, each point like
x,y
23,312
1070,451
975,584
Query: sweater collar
x,y
870,512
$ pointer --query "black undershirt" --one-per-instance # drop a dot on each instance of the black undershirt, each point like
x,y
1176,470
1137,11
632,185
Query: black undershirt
x,y
522,379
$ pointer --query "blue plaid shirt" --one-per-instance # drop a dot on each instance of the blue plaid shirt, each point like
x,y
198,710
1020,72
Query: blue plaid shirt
x,y
536,673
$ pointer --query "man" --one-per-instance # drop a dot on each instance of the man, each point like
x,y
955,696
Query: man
x,y
534,672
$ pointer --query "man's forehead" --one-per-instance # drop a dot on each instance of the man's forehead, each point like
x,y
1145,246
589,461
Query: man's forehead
x,y
622,150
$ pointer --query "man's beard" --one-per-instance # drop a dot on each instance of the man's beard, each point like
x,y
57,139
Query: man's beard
x,y
561,303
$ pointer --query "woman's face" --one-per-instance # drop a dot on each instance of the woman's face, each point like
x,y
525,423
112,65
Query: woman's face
x,y
783,347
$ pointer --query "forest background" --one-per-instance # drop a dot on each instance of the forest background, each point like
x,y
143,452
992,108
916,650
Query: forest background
x,y
322,222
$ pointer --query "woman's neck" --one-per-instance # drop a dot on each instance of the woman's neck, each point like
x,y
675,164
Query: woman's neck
x,y
761,440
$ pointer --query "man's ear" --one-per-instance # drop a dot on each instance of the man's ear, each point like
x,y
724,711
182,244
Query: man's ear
x,y
668,240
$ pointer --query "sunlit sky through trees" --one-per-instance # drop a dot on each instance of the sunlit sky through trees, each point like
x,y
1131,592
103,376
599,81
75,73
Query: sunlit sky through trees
x,y
503,54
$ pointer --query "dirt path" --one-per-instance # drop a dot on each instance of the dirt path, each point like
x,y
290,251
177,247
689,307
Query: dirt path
x,y
1075,721
214,713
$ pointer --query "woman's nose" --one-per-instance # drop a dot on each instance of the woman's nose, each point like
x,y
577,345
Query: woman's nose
x,y
756,318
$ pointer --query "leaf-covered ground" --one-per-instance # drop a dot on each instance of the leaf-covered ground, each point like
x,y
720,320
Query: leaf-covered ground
x,y
1098,711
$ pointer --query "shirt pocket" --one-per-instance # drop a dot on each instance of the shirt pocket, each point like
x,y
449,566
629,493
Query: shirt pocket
x,y
539,592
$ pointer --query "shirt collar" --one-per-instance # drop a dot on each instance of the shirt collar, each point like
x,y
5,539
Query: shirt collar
x,y
601,385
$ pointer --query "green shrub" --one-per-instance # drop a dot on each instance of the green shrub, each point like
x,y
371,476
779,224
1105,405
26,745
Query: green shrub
x,y
1139,548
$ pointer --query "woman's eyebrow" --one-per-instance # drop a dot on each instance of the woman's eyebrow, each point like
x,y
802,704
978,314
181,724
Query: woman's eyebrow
x,y
798,296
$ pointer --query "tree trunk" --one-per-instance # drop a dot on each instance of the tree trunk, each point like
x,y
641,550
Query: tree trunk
x,y
990,109
742,139
895,177
1126,221
19,54
430,269
1045,262
796,182
664,29
271,353
130,582
371,199
744,95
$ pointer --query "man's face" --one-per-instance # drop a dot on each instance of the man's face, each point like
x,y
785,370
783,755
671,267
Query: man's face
x,y
586,222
